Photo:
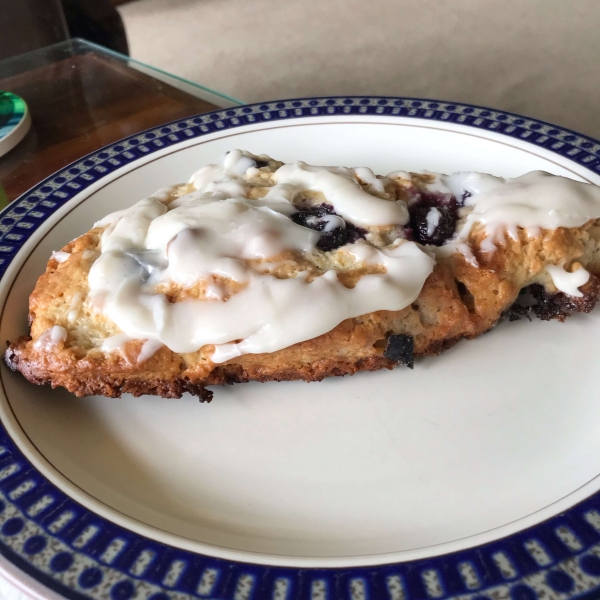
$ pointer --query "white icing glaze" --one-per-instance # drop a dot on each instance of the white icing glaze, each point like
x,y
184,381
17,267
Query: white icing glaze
x,y
50,338
433,220
287,311
534,201
269,313
74,307
214,238
232,164
398,175
214,291
343,191
115,342
164,194
368,178
331,222
463,182
111,218
60,256
149,349
488,244
213,232
568,282
363,253
210,234
466,251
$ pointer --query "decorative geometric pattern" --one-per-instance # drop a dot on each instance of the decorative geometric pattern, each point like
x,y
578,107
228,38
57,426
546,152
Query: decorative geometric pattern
x,y
82,555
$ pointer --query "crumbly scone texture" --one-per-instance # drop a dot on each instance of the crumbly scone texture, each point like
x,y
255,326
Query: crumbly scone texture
x,y
458,300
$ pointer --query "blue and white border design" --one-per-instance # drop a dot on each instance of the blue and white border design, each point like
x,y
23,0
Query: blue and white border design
x,y
81,555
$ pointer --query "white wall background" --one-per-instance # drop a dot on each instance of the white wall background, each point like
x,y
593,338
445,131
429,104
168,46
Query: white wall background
x,y
537,57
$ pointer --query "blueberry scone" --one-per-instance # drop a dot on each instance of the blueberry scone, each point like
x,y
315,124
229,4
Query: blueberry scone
x,y
257,270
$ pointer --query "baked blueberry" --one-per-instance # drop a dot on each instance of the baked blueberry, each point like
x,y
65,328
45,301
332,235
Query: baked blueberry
x,y
317,218
428,230
433,217
400,348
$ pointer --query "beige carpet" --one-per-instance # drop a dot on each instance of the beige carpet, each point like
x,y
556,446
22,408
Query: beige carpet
x,y
536,57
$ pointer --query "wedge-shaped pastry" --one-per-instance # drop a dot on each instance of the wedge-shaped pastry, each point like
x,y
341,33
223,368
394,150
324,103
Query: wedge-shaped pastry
x,y
256,270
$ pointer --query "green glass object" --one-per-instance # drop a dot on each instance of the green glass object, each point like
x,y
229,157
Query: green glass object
x,y
12,109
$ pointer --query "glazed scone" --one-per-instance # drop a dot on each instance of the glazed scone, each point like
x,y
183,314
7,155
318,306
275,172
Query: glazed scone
x,y
537,234
256,270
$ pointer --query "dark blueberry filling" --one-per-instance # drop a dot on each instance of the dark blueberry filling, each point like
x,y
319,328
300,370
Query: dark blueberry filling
x,y
340,236
546,306
444,229
559,305
408,233
419,208
309,217
517,312
400,348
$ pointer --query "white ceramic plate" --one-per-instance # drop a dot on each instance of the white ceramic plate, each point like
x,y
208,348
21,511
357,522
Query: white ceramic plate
x,y
487,440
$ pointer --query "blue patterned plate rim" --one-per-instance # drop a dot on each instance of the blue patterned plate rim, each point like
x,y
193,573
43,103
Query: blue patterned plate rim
x,y
79,554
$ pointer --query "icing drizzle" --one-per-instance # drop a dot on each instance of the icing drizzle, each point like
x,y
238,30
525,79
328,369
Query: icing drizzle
x,y
224,244
534,201
216,237
344,193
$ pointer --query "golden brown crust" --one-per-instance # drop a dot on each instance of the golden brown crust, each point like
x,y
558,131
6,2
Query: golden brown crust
x,y
436,319
110,385
459,300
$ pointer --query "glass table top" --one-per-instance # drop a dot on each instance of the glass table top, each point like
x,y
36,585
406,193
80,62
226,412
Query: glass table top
x,y
81,97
